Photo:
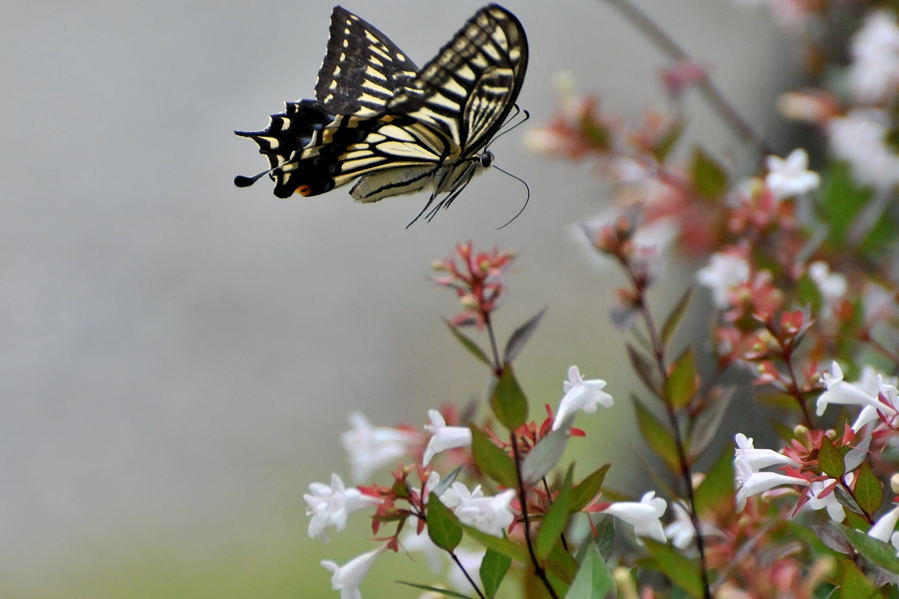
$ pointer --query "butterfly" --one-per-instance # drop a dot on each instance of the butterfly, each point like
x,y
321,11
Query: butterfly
x,y
387,126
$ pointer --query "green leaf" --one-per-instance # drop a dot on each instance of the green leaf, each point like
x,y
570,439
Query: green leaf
x,y
588,488
657,436
830,459
854,584
493,569
668,141
593,579
605,534
709,177
595,132
443,526
436,590
683,380
508,401
876,551
808,293
868,489
553,524
500,545
675,316
492,460
709,420
520,336
561,564
842,199
544,456
880,236
680,569
645,369
467,343
716,490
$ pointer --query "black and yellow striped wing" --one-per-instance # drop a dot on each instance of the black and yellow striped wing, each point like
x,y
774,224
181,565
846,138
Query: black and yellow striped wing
x,y
362,69
392,132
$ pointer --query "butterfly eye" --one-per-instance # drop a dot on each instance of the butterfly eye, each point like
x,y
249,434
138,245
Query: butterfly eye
x,y
486,159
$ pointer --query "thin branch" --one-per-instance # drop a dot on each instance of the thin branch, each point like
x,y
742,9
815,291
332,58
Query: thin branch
x,y
467,575
684,462
497,365
708,89
522,499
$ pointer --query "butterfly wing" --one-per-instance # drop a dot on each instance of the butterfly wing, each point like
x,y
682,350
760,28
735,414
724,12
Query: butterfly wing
x,y
468,89
362,69
460,99
429,131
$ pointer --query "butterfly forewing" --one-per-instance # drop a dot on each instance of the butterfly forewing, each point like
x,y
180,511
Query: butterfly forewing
x,y
362,68
467,90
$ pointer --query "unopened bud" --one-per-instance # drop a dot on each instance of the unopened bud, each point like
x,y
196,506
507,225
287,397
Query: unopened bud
x,y
627,589
800,430
468,301
894,483
831,434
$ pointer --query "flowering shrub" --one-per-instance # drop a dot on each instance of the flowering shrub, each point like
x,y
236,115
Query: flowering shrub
x,y
801,268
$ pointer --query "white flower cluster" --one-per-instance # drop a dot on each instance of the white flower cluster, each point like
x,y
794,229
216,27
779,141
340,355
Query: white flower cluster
x,y
874,72
876,394
370,448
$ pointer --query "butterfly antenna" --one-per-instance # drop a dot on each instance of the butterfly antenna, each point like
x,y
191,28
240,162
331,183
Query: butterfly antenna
x,y
526,198
524,118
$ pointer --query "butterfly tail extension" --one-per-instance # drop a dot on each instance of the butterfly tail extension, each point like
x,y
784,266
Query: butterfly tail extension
x,y
302,146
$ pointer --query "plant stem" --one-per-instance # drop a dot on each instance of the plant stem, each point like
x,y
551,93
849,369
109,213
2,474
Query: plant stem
x,y
709,91
497,365
548,498
685,471
465,572
522,499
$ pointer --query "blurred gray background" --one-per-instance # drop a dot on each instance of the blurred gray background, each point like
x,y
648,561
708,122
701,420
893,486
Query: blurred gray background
x,y
179,355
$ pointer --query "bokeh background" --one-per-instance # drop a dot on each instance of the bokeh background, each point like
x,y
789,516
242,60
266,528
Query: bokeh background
x,y
179,356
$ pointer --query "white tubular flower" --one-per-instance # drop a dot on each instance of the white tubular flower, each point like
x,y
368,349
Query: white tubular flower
x,y
751,483
348,577
413,541
443,437
580,395
759,458
723,273
834,508
874,72
330,506
644,516
887,408
841,392
831,285
370,448
488,514
858,138
885,525
790,176
457,493
681,531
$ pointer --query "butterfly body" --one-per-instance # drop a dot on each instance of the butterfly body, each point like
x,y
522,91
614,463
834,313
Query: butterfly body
x,y
391,127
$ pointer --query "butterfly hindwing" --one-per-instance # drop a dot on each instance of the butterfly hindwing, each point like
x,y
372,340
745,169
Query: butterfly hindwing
x,y
362,68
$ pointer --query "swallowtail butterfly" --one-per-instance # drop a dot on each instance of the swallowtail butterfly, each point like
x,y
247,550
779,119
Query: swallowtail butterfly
x,y
390,127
